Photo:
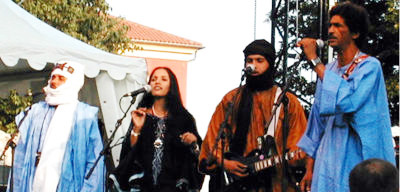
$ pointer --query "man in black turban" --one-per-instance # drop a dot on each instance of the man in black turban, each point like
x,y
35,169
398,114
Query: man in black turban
x,y
265,49
252,109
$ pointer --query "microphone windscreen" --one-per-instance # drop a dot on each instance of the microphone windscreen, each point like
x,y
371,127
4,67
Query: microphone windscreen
x,y
321,43
147,88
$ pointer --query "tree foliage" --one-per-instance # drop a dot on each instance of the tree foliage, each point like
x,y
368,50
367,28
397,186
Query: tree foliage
x,y
10,107
382,41
87,20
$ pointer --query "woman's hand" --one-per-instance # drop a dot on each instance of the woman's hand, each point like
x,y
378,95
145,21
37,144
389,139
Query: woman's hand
x,y
138,119
188,138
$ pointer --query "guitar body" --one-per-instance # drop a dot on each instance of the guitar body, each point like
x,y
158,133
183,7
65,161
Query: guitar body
x,y
260,165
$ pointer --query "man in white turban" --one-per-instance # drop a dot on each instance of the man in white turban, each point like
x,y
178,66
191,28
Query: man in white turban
x,y
59,138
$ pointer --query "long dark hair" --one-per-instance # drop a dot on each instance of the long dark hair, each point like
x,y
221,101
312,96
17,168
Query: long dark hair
x,y
173,98
178,116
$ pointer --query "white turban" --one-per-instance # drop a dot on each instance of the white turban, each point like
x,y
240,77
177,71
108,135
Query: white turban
x,y
67,92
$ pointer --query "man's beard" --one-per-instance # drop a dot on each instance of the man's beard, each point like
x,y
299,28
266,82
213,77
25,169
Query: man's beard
x,y
261,82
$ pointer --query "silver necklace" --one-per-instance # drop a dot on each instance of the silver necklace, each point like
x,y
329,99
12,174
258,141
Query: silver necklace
x,y
154,112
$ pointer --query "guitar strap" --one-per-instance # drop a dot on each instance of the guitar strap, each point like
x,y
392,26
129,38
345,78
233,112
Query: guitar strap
x,y
274,120
271,132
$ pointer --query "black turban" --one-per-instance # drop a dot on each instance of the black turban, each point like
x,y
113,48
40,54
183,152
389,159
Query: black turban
x,y
261,47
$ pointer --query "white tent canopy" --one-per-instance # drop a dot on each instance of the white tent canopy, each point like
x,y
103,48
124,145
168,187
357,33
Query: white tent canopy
x,y
31,43
25,36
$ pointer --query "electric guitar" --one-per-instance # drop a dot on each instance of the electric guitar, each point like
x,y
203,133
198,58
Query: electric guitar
x,y
256,162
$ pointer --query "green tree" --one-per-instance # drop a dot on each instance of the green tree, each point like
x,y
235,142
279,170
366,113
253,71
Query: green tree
x,y
10,107
87,20
383,41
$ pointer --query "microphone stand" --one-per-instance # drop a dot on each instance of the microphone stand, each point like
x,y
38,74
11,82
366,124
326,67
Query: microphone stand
x,y
285,89
283,99
221,133
107,146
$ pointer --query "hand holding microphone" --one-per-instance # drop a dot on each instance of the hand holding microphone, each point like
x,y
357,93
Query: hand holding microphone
x,y
309,47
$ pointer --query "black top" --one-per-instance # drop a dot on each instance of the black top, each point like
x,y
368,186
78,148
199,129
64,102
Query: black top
x,y
178,160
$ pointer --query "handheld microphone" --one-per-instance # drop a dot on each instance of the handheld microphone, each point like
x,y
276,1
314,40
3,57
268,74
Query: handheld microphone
x,y
146,88
321,43
249,69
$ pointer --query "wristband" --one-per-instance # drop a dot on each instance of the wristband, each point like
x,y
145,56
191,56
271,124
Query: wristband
x,y
314,62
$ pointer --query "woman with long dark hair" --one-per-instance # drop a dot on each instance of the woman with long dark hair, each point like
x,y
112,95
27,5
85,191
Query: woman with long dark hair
x,y
161,148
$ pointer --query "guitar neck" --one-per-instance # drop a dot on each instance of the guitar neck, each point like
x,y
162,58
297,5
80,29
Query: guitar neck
x,y
275,160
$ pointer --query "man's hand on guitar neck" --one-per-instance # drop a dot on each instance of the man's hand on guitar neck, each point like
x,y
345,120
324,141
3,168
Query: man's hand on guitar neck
x,y
235,167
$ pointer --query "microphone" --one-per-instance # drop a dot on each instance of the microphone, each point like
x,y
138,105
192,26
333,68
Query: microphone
x,y
146,88
249,69
321,43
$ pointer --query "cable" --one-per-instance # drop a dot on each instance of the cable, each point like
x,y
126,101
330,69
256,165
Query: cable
x,y
255,18
297,20
119,103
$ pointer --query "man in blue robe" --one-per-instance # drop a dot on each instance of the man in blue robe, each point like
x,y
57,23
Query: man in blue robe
x,y
349,120
59,139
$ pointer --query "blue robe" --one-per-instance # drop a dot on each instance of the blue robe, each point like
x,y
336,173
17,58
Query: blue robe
x,y
83,147
349,122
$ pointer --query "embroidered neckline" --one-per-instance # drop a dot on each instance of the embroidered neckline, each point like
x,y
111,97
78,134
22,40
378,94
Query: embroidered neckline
x,y
353,65
355,57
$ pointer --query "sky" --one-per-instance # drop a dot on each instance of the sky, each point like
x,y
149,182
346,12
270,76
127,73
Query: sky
x,y
224,27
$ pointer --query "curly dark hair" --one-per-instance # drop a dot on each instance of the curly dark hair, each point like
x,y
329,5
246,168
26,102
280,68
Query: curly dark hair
x,y
173,98
356,18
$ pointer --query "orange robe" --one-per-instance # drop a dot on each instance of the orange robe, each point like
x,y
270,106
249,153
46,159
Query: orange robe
x,y
261,112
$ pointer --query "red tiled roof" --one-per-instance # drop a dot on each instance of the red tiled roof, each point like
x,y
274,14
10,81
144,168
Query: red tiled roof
x,y
141,33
